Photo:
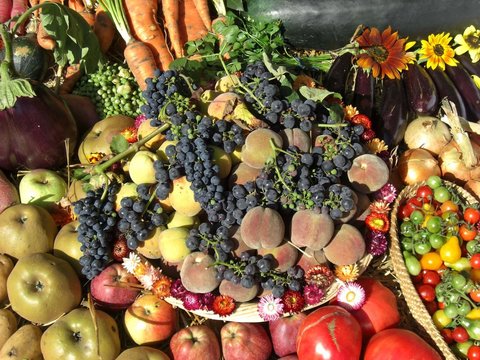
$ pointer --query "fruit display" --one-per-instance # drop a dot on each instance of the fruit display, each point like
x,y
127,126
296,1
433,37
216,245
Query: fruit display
x,y
228,180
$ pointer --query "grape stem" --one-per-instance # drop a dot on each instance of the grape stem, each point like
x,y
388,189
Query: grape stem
x,y
277,170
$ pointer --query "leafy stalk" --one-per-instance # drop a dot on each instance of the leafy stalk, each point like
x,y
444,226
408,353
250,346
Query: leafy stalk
x,y
115,9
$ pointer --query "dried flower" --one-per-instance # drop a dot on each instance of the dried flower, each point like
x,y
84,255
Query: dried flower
x,y
437,51
376,146
313,294
351,296
368,135
131,263
139,120
130,134
293,301
382,53
161,287
469,41
377,222
320,275
347,273
191,301
177,290
377,243
270,308
303,80
387,193
349,112
223,305
95,157
207,301
379,206
361,119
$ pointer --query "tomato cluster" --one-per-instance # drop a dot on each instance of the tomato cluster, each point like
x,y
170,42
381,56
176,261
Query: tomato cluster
x,y
440,239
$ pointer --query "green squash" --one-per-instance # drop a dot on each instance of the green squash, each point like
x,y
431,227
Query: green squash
x,y
30,61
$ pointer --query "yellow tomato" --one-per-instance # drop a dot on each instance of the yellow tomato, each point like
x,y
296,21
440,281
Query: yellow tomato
x,y
431,261
473,314
440,319
451,251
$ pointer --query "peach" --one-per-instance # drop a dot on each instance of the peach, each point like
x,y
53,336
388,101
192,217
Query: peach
x,y
285,256
198,273
258,148
182,198
262,228
368,173
297,137
237,291
346,247
311,229
243,173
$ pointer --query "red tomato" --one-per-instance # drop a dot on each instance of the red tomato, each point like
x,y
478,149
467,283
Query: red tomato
x,y
329,333
471,215
447,335
474,352
431,277
431,306
475,261
399,344
475,295
426,292
460,334
380,310
467,233
425,192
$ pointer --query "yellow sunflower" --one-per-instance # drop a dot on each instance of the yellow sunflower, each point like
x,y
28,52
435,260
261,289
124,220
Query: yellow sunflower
x,y
476,80
382,53
437,51
469,41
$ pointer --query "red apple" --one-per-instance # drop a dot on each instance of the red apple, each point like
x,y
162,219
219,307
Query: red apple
x,y
284,333
109,291
8,193
245,341
195,342
150,320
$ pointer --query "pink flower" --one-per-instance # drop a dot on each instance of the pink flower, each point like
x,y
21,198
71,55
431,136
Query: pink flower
x,y
139,120
387,193
207,301
177,289
270,308
351,296
192,301
376,243
313,294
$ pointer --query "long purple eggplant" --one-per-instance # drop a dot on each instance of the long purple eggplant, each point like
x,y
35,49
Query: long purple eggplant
x,y
470,93
394,113
422,95
447,89
336,77
364,92
466,61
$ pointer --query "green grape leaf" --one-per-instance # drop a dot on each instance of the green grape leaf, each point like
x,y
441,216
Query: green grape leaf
x,y
317,94
11,90
236,5
119,144
76,43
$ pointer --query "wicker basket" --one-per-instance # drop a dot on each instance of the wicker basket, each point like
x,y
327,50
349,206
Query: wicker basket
x,y
247,312
415,304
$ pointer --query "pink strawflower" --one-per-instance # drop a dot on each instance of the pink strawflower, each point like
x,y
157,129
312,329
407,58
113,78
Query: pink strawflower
x,y
351,296
177,289
387,193
192,301
313,294
207,301
377,243
270,308
139,119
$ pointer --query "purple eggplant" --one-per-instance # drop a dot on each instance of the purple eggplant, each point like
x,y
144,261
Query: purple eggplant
x,y
422,95
466,61
447,89
470,92
363,93
336,77
393,112
33,131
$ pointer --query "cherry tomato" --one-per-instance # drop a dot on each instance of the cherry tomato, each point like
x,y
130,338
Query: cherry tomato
x,y
474,352
471,215
434,224
431,277
475,295
449,205
434,181
475,275
475,261
425,192
441,194
460,335
431,261
447,335
467,232
426,292
431,306
418,279
416,217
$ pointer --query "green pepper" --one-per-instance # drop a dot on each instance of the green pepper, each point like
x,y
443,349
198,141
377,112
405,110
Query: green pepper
x,y
462,264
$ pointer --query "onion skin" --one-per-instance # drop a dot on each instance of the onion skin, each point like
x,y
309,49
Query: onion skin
x,y
452,166
34,130
473,186
416,165
427,132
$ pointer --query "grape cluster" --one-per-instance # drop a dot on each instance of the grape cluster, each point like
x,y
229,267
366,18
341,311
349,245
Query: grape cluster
x,y
113,90
140,216
167,94
97,217
247,270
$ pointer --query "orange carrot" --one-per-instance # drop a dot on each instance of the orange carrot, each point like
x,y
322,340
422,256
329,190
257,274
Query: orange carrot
x,y
43,39
88,16
141,16
141,62
190,24
76,5
104,29
72,74
204,12
170,14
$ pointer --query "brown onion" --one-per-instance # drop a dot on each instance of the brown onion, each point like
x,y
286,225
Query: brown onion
x,y
417,165
452,166
473,186
427,132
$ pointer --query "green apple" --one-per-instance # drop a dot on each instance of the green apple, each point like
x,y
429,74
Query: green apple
x,y
23,344
67,247
161,150
42,287
42,187
142,353
8,325
75,336
144,130
26,229
222,159
6,266
141,167
98,139
150,248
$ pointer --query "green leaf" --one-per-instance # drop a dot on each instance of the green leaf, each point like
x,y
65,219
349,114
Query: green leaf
x,y
75,40
317,94
11,90
236,5
119,144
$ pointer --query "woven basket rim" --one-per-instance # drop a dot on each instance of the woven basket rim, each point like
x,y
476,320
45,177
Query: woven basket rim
x,y
247,311
414,302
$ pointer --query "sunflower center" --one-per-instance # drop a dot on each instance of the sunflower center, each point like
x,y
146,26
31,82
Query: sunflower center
x,y
473,40
438,50
379,53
